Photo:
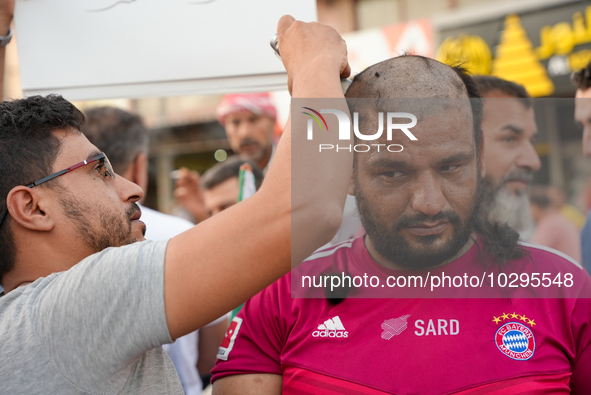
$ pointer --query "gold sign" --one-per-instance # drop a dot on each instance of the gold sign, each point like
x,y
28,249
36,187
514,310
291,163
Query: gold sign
x,y
516,59
470,51
561,38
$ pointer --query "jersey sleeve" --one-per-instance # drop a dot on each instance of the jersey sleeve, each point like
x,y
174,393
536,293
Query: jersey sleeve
x,y
95,320
581,327
255,337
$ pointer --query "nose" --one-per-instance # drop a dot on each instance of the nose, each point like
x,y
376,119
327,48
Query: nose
x,y
129,191
244,130
529,158
428,197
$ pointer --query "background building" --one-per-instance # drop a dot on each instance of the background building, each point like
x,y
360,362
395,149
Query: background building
x,y
537,43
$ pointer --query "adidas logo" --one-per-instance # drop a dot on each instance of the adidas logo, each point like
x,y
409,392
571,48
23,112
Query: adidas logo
x,y
331,328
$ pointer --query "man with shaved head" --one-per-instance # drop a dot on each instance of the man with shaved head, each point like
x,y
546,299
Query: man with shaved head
x,y
391,312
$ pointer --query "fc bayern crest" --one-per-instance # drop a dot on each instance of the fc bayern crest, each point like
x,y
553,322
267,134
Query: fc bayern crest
x,y
516,341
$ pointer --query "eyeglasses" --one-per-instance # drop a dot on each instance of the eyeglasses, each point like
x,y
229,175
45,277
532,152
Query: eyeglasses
x,y
101,157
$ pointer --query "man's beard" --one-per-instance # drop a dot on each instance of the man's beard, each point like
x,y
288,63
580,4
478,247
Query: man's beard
x,y
252,155
388,242
113,230
500,205
256,155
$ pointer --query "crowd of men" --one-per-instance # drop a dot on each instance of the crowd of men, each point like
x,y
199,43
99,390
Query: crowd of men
x,y
104,295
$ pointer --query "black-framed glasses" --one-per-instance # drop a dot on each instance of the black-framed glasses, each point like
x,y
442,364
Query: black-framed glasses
x,y
100,157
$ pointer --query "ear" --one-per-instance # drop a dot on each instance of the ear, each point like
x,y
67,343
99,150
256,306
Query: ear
x,y
481,148
30,208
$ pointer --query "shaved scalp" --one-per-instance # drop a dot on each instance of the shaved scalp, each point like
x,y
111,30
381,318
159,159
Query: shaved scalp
x,y
414,76
408,76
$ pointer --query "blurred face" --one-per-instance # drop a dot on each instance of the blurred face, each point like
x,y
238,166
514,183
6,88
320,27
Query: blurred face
x,y
222,196
510,158
251,136
583,117
509,154
419,206
98,210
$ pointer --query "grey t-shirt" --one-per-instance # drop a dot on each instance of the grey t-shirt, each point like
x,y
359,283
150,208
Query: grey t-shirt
x,y
94,329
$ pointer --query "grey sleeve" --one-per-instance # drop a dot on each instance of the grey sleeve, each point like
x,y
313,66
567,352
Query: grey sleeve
x,y
96,319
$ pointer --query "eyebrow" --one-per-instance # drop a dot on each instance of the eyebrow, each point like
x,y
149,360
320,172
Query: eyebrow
x,y
514,129
93,154
386,162
459,157
455,158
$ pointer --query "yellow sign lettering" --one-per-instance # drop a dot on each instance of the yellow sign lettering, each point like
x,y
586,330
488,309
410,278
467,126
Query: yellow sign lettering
x,y
471,51
561,38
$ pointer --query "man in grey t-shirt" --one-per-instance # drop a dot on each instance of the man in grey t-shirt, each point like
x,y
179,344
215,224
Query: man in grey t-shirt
x,y
59,316
81,317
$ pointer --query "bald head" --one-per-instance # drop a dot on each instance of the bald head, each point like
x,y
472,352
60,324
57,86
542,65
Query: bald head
x,y
413,76
409,76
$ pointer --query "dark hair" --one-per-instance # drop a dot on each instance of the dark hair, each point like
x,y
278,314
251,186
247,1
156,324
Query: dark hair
x,y
582,78
28,149
488,83
475,96
229,168
118,133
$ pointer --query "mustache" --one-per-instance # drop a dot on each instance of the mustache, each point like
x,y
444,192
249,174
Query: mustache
x,y
248,141
132,210
419,218
520,174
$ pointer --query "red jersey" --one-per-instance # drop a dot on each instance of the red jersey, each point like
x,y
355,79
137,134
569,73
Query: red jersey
x,y
510,344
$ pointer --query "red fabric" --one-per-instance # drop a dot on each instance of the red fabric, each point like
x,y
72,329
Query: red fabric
x,y
258,103
416,345
297,381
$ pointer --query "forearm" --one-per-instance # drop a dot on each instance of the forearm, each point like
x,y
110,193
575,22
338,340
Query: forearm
x,y
224,261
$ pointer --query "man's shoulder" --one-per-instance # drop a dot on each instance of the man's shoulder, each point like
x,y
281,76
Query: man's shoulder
x,y
340,252
549,257
345,258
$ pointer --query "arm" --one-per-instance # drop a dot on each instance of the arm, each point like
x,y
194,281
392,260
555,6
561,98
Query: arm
x,y
222,262
249,384
188,193
210,338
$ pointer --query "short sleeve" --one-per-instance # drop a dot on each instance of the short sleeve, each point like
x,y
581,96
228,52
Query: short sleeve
x,y
96,319
255,337
581,326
